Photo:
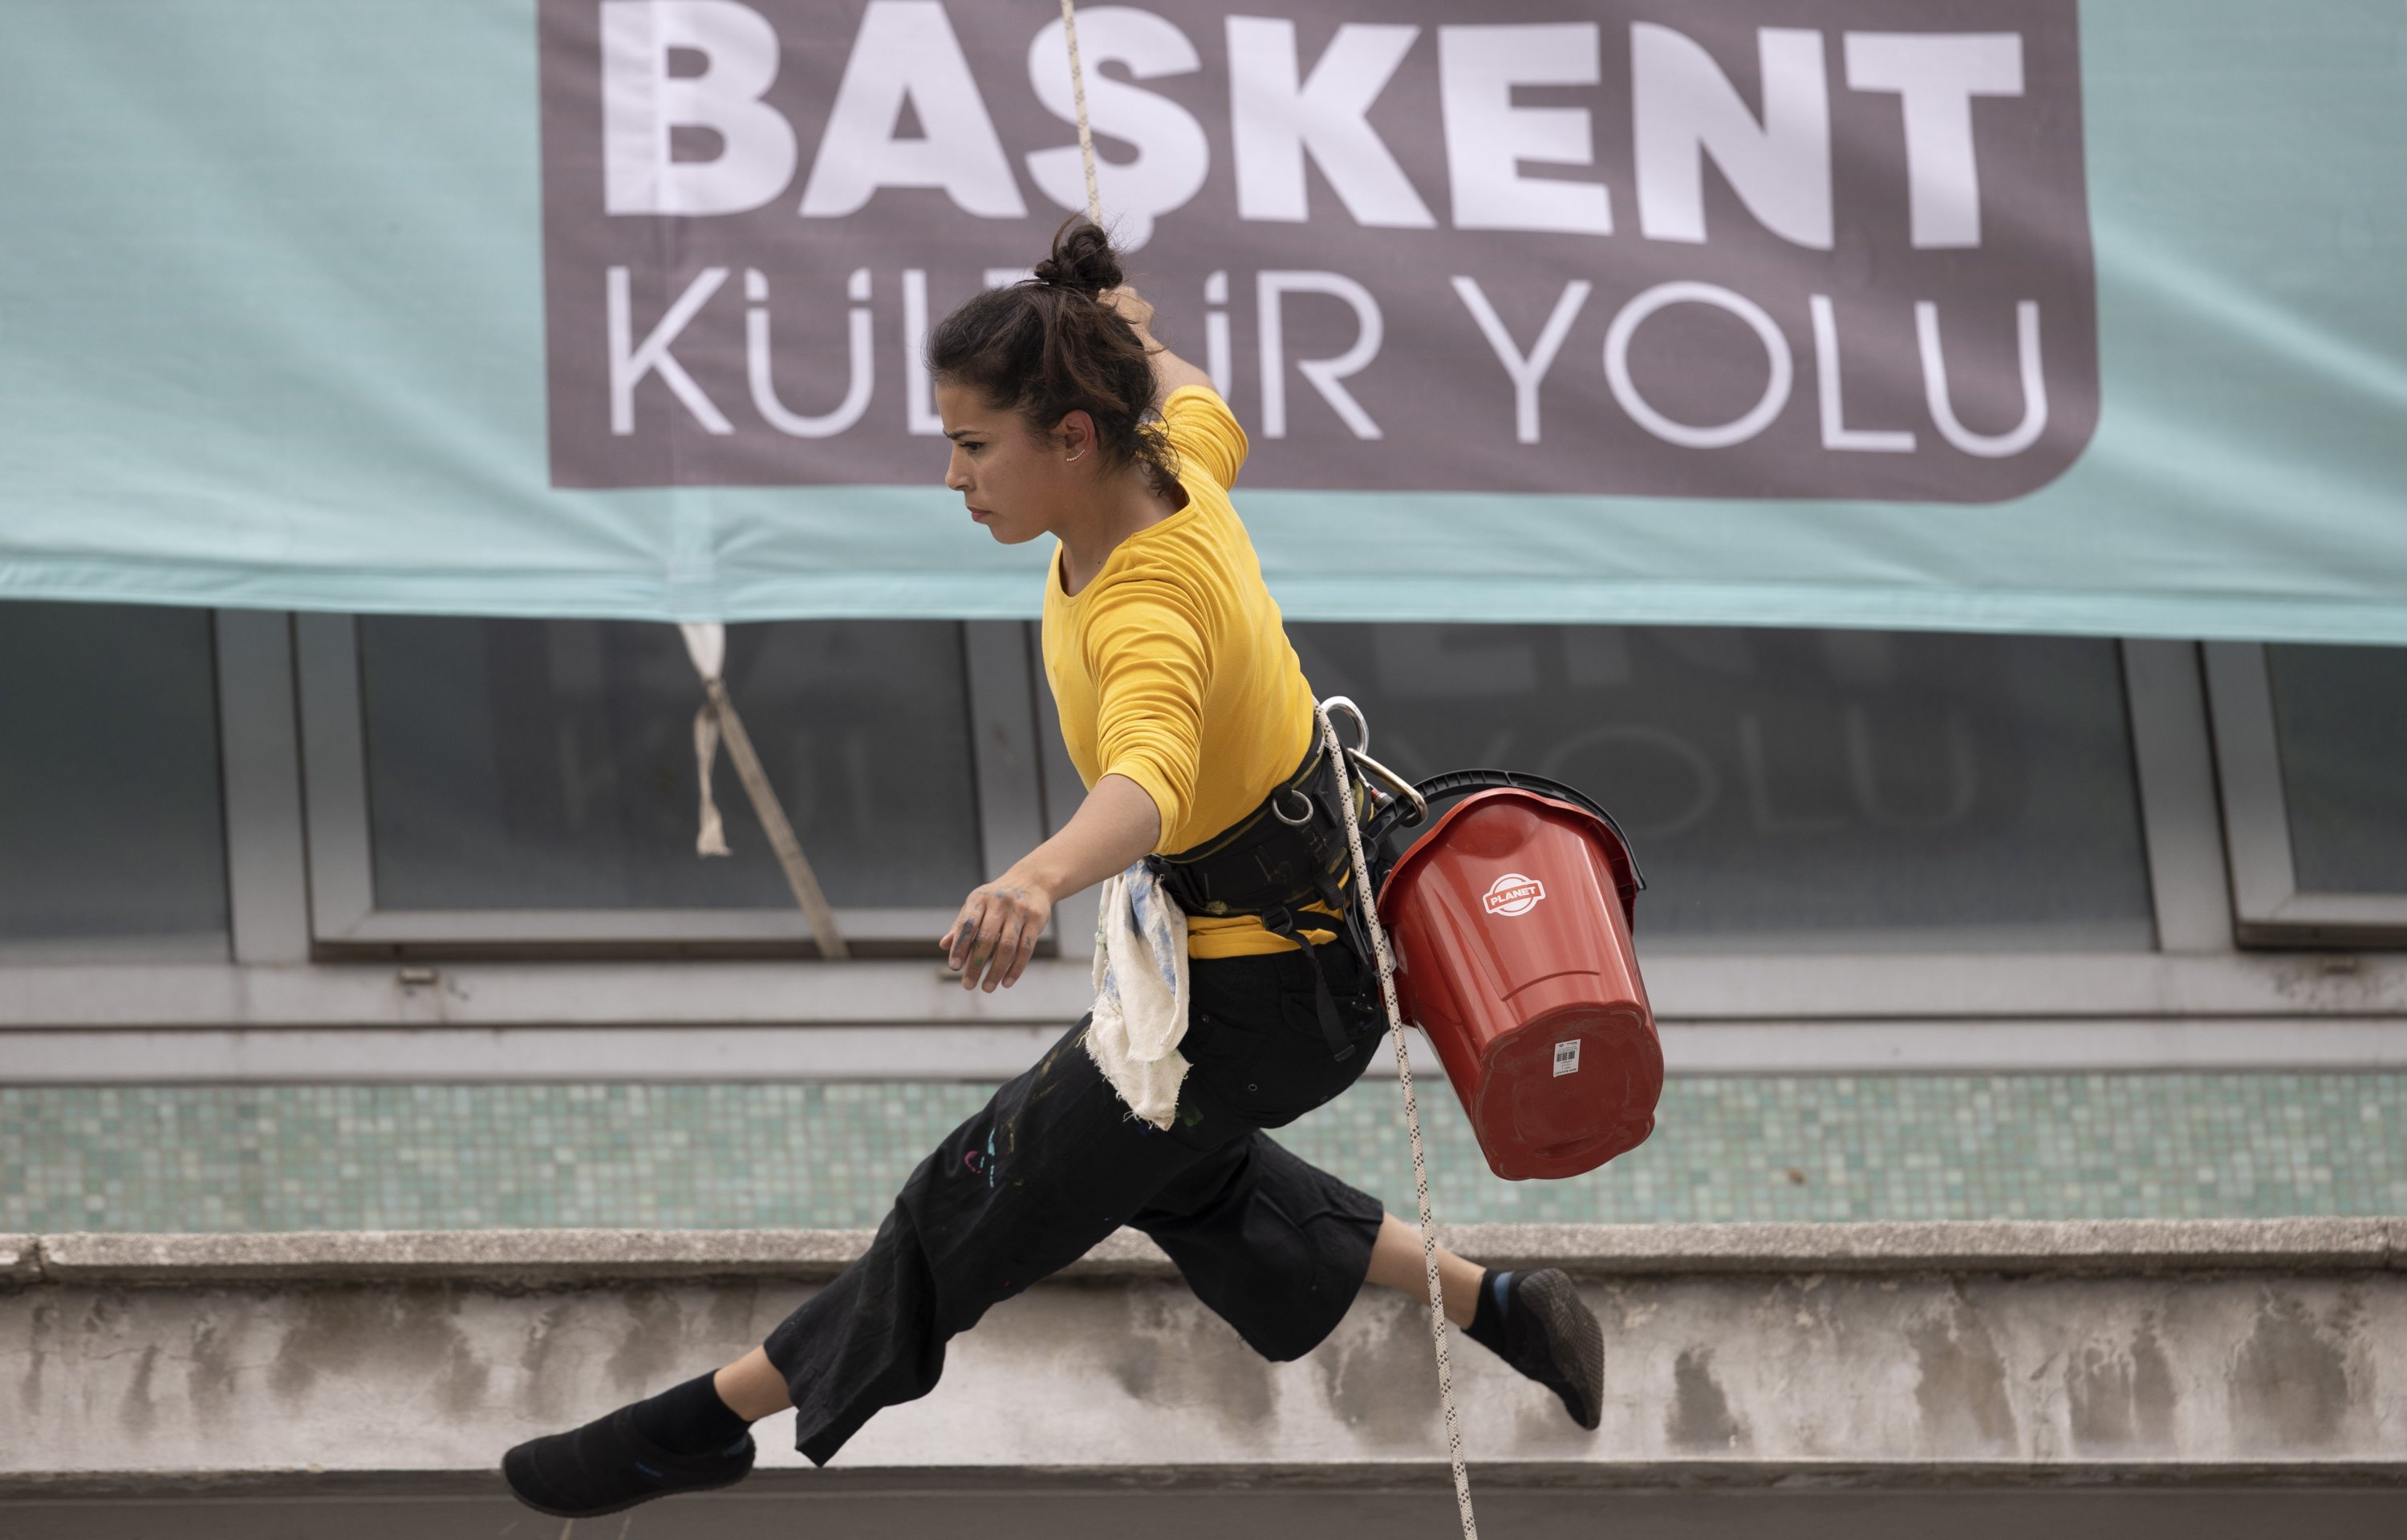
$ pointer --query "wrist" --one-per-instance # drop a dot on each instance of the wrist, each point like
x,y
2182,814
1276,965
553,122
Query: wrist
x,y
1028,875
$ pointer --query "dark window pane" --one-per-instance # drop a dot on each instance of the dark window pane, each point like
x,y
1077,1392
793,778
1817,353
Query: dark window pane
x,y
111,828
525,764
2341,716
1797,790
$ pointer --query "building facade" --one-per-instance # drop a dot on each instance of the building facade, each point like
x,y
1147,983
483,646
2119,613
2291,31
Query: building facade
x,y
331,923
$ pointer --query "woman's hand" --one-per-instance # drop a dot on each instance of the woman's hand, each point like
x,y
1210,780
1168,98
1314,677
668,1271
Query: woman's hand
x,y
1136,309
1170,371
996,932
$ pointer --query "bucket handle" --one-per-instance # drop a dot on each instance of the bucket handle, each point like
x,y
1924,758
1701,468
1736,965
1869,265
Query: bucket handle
x,y
1455,783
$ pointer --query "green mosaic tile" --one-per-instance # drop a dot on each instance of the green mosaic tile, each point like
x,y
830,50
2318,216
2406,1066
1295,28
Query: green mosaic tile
x,y
304,1158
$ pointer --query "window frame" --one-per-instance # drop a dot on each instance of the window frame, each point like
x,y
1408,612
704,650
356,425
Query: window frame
x,y
306,667
285,1007
2269,909
346,923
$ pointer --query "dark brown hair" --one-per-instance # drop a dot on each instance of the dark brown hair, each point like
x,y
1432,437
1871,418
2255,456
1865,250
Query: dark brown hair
x,y
1046,347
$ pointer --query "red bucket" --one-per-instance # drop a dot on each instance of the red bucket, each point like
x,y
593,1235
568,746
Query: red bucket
x,y
1511,922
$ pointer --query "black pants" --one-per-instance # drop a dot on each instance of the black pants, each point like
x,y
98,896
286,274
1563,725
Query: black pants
x,y
1056,1162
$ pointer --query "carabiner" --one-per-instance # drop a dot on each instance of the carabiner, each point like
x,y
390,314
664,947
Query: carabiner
x,y
1361,723
1360,754
1397,787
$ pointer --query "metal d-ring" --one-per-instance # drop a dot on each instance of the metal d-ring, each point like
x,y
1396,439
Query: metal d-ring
x,y
1336,703
1280,813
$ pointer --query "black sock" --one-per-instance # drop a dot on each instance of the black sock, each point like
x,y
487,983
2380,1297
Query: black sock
x,y
689,1418
1487,1326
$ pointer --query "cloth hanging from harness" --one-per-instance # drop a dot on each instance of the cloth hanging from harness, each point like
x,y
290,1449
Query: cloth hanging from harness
x,y
1141,993
1288,855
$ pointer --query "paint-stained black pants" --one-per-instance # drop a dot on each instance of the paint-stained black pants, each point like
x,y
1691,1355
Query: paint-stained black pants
x,y
1055,1163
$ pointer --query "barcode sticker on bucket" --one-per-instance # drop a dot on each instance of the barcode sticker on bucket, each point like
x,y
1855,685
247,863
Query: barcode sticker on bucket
x,y
1567,1057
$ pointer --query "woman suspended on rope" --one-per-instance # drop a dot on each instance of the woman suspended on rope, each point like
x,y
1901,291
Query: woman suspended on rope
x,y
1188,718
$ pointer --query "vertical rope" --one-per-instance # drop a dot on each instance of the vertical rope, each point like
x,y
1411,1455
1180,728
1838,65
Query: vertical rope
x,y
1369,919
1078,99
1386,966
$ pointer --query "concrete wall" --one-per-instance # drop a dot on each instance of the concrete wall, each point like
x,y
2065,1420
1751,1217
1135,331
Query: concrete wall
x,y
1741,1352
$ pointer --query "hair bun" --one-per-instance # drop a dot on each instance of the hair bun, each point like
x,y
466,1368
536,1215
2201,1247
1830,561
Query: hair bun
x,y
1082,260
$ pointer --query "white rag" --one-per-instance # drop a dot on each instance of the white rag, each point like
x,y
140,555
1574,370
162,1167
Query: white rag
x,y
1140,993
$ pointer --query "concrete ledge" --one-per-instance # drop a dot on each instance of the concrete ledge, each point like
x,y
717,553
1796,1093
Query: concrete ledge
x,y
551,1258
1419,1476
1783,1354
2003,1246
533,1257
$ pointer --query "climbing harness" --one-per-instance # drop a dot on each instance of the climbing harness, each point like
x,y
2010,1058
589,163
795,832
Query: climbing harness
x,y
1284,864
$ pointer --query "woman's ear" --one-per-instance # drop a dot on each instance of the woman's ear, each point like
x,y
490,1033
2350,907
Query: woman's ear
x,y
1076,435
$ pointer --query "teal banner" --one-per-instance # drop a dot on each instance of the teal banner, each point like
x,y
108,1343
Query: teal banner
x,y
2001,315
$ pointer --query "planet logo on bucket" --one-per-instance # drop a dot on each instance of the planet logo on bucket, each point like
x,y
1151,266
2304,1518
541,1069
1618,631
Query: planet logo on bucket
x,y
1514,894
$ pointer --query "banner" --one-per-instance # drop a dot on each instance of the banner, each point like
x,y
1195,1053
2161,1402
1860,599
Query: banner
x,y
1983,314
1901,213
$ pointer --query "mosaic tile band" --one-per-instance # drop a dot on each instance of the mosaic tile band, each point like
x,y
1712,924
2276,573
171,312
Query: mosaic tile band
x,y
193,1158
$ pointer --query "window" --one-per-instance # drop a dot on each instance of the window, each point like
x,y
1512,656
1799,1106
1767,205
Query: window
x,y
478,784
1786,790
1895,835
2311,744
111,834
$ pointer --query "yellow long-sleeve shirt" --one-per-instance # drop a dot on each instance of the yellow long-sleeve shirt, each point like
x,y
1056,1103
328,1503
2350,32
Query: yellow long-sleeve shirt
x,y
1172,667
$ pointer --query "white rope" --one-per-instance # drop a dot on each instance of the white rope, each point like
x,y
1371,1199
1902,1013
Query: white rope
x,y
1364,897
1386,966
1078,100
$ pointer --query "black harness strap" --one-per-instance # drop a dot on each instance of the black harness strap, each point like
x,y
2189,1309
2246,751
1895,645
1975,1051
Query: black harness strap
x,y
1274,861
1281,922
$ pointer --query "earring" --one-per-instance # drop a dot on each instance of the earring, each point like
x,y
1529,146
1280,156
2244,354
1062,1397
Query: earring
x,y
1074,458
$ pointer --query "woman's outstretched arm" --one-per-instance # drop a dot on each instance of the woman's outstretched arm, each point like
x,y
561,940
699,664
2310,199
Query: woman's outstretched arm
x,y
996,931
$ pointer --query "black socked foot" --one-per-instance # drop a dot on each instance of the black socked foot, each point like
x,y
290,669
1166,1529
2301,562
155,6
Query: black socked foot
x,y
1542,1327
607,1465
